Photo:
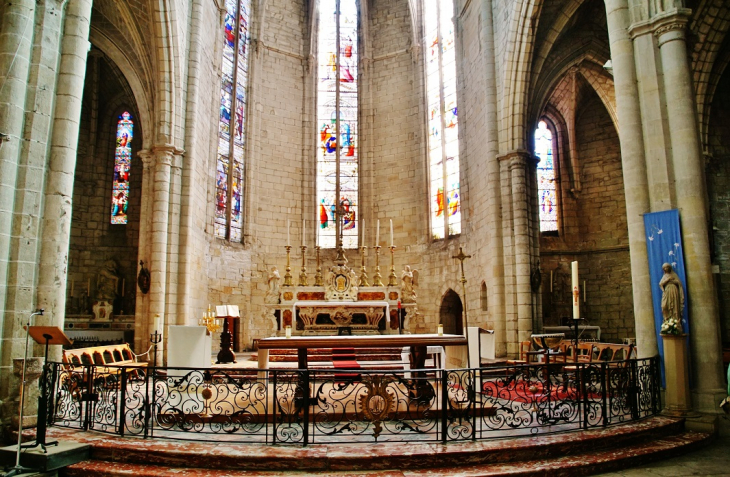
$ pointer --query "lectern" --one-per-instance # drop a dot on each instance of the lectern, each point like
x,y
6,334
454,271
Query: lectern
x,y
45,335
228,313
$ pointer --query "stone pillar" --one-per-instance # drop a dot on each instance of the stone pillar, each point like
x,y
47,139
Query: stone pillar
x,y
495,270
636,186
143,322
521,234
56,232
689,183
16,38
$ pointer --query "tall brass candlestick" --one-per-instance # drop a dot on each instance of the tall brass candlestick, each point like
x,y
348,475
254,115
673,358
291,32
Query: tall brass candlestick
x,y
318,275
363,270
376,277
287,275
303,274
392,279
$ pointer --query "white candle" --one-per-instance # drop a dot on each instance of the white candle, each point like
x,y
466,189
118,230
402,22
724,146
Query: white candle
x,y
159,323
362,231
377,234
441,330
576,290
287,233
391,232
304,228
288,331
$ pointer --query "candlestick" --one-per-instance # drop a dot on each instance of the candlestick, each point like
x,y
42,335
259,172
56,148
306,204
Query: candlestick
x,y
303,274
376,277
318,275
363,270
392,279
287,275
377,234
576,290
391,232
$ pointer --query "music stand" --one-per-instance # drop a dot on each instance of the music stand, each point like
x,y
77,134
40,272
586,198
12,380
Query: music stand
x,y
45,335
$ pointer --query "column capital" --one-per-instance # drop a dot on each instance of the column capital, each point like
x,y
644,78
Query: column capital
x,y
147,157
165,154
665,26
517,158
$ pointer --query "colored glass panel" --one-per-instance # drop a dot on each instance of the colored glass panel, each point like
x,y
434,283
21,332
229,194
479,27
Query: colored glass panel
x,y
232,120
122,166
546,190
443,125
337,126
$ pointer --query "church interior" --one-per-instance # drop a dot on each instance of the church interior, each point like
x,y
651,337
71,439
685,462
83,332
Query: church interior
x,y
439,164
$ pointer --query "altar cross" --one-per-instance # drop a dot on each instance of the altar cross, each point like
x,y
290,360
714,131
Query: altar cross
x,y
461,257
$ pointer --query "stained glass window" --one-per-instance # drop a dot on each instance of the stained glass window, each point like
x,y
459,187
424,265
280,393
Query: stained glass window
x,y
546,190
122,165
443,126
231,131
337,133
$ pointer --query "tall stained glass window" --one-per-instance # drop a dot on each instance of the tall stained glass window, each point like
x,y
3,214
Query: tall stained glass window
x,y
337,151
122,164
546,190
231,131
443,127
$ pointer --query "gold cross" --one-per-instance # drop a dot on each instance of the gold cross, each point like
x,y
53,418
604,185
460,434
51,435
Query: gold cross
x,y
461,256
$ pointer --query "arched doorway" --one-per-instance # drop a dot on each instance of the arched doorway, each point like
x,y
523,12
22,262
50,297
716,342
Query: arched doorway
x,y
450,313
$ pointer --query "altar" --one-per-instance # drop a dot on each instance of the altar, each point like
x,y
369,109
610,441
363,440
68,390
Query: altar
x,y
340,300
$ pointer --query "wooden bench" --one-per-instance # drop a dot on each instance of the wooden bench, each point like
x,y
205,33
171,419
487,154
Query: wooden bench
x,y
109,360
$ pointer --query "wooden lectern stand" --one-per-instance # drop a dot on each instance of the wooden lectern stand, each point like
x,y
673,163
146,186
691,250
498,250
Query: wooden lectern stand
x,y
45,335
228,313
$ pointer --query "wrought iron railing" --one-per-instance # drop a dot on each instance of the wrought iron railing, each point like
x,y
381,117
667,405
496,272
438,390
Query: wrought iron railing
x,y
326,406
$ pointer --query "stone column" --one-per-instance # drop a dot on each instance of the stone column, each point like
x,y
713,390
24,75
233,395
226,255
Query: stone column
x,y
56,232
16,40
495,272
689,183
521,233
143,323
636,187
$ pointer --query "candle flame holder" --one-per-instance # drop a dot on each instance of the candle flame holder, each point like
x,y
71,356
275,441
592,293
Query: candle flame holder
x,y
376,277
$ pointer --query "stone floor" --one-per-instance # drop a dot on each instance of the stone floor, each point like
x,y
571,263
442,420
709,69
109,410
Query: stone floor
x,y
712,460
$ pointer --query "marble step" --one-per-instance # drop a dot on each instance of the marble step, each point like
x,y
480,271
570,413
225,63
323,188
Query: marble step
x,y
573,464
614,447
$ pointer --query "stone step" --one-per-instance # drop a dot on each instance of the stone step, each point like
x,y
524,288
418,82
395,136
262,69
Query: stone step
x,y
573,453
565,465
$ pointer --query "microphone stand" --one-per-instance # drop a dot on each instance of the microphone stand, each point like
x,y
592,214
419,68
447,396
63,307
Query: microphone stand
x,y
19,469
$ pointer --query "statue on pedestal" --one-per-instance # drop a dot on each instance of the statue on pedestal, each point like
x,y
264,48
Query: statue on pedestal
x,y
107,284
672,295
272,295
409,279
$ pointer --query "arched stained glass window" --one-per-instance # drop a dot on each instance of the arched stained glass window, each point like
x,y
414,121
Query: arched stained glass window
x,y
443,128
337,133
546,190
122,165
231,131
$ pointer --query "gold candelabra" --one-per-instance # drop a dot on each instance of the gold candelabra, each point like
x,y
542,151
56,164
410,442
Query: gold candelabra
x,y
287,275
318,275
363,270
303,274
209,321
392,279
376,277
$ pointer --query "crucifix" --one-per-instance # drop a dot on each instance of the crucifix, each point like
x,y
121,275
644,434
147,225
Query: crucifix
x,y
461,257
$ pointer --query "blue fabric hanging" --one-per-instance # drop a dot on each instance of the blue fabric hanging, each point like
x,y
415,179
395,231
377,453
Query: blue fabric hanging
x,y
664,245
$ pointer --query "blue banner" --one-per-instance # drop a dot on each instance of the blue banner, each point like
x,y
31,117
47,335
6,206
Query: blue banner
x,y
664,245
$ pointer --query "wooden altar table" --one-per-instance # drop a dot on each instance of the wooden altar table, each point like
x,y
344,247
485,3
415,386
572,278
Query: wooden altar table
x,y
418,343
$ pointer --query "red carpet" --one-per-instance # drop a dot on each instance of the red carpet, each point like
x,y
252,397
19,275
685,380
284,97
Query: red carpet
x,y
526,391
345,358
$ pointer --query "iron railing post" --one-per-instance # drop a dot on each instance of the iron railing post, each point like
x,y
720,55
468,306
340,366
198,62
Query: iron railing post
x,y
444,404
122,400
604,392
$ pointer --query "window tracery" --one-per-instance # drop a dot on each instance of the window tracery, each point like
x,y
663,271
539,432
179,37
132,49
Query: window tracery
x,y
546,185
122,166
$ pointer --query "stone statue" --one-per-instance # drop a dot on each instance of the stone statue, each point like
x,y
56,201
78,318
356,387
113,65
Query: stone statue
x,y
409,279
272,295
672,294
107,282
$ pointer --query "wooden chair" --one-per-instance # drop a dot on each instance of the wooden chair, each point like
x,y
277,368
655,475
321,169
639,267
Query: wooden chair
x,y
525,347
